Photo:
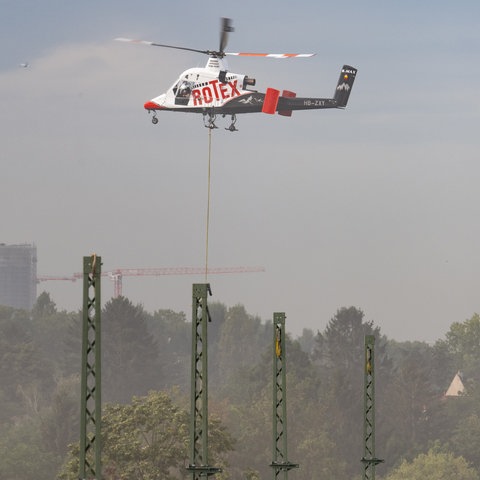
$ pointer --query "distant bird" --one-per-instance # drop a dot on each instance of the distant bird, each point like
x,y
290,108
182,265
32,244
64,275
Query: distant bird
x,y
24,65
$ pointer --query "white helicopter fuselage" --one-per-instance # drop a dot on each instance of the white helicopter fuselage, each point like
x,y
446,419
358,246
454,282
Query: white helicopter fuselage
x,y
214,91
198,89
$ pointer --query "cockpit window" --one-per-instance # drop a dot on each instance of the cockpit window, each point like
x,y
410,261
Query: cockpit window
x,y
184,89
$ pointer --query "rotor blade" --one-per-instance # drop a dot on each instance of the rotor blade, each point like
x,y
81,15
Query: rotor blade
x,y
272,55
146,42
226,28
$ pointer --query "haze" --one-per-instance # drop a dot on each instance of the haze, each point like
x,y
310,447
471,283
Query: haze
x,y
376,206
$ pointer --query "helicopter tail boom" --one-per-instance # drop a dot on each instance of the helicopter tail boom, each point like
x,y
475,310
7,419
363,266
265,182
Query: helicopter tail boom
x,y
287,102
287,94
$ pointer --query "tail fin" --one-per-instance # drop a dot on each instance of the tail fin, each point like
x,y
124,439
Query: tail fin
x,y
344,85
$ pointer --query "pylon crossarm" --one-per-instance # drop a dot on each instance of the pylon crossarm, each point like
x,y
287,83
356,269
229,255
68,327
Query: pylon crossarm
x,y
203,470
284,465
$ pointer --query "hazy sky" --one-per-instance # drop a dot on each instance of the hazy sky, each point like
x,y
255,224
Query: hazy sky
x,y
376,206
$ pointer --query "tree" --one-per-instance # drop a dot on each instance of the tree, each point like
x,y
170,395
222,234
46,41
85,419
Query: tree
x,y
342,343
308,405
51,331
249,394
148,440
410,405
339,354
465,440
22,367
60,421
44,306
463,343
35,445
22,452
172,334
242,340
130,352
434,465
307,340
218,315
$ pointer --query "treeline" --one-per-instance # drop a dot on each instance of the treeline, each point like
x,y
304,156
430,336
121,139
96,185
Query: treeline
x,y
146,387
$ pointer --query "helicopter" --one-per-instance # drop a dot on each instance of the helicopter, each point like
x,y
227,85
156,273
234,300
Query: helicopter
x,y
214,90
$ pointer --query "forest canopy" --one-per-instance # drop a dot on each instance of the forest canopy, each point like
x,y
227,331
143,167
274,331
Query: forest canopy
x,y
146,395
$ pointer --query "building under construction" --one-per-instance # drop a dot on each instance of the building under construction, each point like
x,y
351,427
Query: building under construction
x,y
18,275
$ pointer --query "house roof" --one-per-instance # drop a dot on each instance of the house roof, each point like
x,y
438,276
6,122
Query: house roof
x,y
456,388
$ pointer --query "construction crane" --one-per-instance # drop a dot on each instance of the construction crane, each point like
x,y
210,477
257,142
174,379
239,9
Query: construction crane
x,y
117,274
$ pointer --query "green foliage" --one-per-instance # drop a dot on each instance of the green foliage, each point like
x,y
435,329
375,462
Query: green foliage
x,y
253,441
59,422
465,440
130,354
242,340
148,440
51,331
339,353
249,417
23,455
22,368
39,400
411,404
309,413
44,306
307,341
434,466
317,456
172,334
35,445
463,344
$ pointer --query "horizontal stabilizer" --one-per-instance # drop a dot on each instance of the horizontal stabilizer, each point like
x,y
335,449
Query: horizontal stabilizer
x,y
288,94
271,100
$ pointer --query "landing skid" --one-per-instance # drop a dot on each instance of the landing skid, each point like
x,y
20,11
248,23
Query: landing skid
x,y
209,120
232,127
210,117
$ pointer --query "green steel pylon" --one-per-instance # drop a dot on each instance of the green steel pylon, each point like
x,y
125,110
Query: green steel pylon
x,y
199,465
90,410
280,462
369,460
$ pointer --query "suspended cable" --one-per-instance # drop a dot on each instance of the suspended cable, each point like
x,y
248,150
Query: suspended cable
x,y
208,199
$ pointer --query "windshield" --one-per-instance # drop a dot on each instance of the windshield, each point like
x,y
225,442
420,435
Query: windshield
x,y
183,89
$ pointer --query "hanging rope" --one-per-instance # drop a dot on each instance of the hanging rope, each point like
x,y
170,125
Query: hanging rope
x,y
208,201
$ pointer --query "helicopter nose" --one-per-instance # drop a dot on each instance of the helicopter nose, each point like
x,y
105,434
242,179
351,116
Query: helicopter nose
x,y
151,105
